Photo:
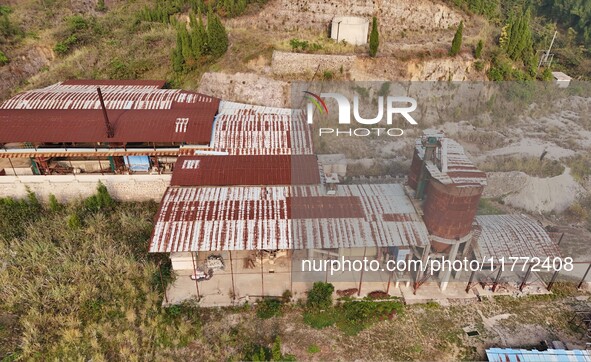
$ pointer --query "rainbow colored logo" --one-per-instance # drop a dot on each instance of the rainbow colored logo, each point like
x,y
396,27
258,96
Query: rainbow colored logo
x,y
318,102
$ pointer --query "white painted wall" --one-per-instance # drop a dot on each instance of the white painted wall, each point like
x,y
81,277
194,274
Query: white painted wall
x,y
351,29
67,187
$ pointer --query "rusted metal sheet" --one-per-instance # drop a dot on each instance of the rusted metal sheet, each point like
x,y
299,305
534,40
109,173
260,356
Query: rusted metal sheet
x,y
513,236
250,218
244,170
116,97
450,209
81,126
138,112
451,164
242,129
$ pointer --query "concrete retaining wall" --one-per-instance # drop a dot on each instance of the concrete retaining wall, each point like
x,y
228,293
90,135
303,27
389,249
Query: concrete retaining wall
x,y
299,63
67,187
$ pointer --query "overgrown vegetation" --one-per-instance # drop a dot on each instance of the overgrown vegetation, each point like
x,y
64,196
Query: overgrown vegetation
x,y
90,292
350,316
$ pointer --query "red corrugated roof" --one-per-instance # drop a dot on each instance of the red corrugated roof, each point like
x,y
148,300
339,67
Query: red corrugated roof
x,y
235,170
243,129
117,82
138,111
285,217
89,125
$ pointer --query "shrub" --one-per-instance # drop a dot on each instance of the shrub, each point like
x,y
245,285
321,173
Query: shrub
x,y
297,44
268,308
479,65
313,349
74,222
54,205
100,6
320,296
101,200
3,58
328,75
319,320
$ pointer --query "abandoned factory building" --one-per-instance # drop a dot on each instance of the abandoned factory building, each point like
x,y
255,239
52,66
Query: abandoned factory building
x,y
249,199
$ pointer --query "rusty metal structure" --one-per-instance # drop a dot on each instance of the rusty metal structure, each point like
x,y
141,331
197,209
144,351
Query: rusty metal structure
x,y
245,179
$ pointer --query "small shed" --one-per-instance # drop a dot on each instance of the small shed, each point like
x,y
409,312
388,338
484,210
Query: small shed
x,y
561,79
352,29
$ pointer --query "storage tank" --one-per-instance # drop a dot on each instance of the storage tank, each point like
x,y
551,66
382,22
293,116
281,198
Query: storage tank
x,y
450,185
449,210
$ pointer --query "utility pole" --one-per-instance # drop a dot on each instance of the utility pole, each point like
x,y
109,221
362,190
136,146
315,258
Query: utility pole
x,y
546,55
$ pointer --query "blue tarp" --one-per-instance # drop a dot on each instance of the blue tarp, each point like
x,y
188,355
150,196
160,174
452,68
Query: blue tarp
x,y
137,163
524,355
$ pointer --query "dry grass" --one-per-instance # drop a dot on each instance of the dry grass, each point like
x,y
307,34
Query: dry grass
x,y
532,166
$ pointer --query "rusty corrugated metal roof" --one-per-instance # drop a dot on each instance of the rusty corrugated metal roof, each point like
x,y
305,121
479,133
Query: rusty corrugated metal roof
x,y
242,129
192,126
84,97
139,112
244,170
250,218
451,165
513,236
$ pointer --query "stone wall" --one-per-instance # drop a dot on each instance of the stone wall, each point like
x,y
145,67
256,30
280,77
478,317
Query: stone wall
x,y
301,63
67,187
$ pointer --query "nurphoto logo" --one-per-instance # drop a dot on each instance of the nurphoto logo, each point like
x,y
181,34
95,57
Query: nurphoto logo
x,y
405,105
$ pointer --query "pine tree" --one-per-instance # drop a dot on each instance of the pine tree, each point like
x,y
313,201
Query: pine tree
x,y
478,50
201,33
374,38
197,37
456,43
185,42
217,38
177,55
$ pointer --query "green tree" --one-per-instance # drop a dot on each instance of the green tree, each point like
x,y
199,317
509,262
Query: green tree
x,y
217,38
276,350
478,50
374,38
177,55
198,37
456,43
185,43
519,42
